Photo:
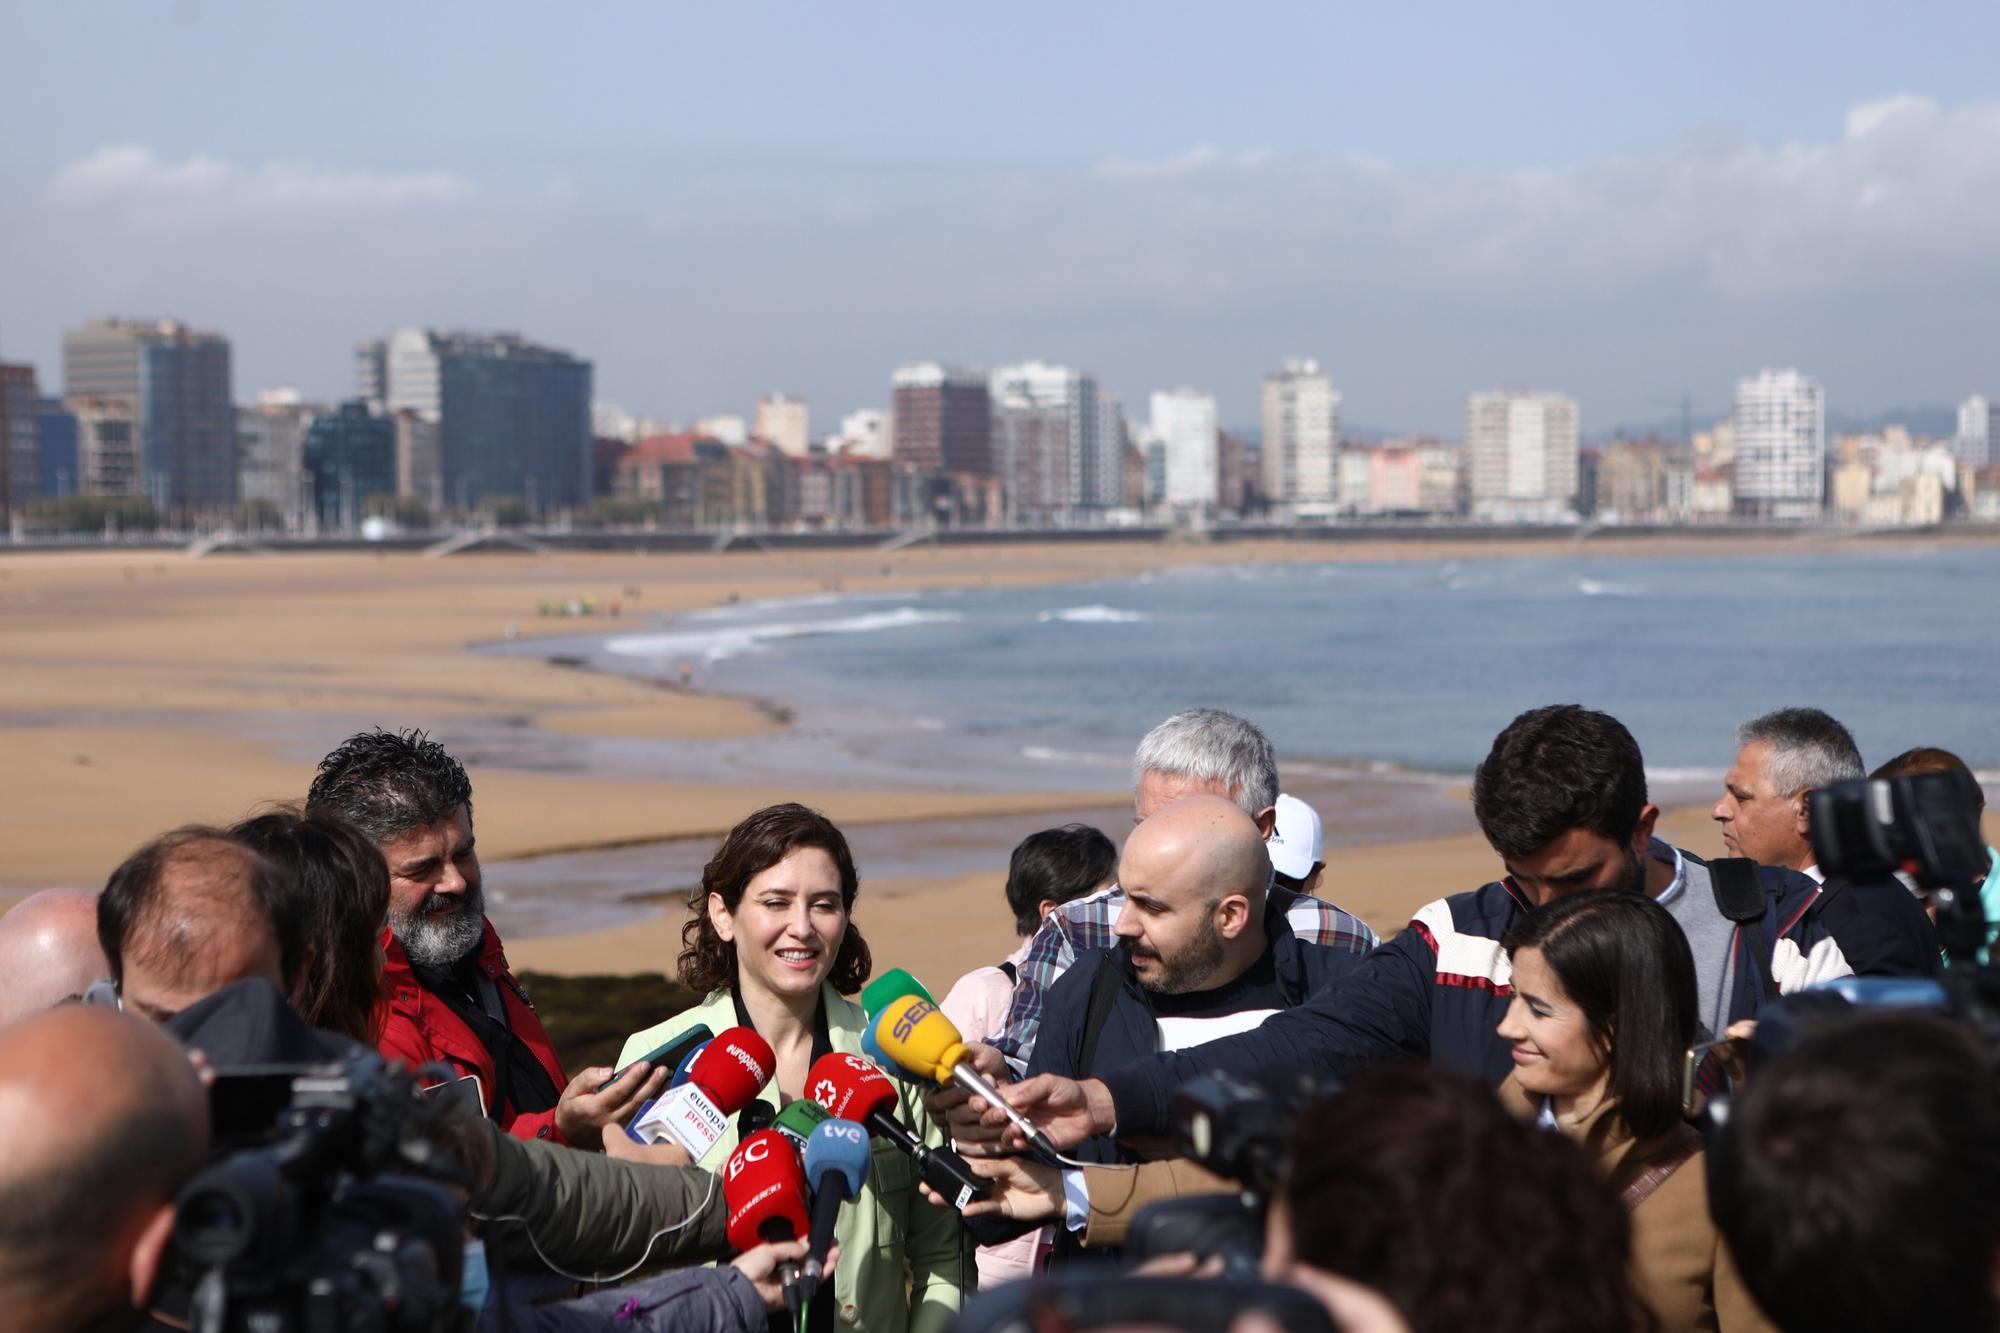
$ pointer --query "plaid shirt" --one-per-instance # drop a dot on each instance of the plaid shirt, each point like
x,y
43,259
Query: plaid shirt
x,y
1085,924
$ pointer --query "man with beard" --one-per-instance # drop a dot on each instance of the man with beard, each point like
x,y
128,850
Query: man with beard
x,y
1203,951
1561,797
446,987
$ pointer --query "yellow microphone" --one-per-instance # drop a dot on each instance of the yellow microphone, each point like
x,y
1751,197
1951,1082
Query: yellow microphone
x,y
916,1035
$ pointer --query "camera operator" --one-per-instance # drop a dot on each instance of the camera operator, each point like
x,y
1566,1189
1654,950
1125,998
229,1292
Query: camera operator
x,y
1562,798
107,1120
1857,1176
1930,759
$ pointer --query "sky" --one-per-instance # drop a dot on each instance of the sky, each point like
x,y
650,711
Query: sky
x,y
1628,203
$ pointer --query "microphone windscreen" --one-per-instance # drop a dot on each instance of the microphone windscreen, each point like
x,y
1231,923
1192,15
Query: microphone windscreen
x,y
849,1086
799,1119
891,985
837,1147
916,1035
687,1063
872,1049
733,1068
764,1191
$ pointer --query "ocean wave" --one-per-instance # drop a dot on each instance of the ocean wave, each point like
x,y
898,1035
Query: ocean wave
x,y
1093,615
1043,754
720,644
1594,588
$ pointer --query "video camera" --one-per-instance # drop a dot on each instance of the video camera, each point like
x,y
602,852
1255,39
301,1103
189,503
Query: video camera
x,y
327,1208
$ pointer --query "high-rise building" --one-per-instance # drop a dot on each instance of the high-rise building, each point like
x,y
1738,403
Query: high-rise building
x,y
57,463
513,417
1973,445
784,420
1101,479
942,420
177,381
1780,467
271,444
20,437
1184,421
417,475
109,460
1300,450
1074,463
1521,455
350,455
863,434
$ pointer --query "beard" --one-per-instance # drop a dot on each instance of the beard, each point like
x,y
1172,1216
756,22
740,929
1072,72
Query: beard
x,y
1632,879
442,928
1190,968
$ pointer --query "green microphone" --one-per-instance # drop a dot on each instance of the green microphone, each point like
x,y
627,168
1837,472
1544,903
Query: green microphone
x,y
890,987
796,1121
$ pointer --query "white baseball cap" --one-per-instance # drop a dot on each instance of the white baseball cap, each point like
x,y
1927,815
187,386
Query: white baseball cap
x,y
1297,843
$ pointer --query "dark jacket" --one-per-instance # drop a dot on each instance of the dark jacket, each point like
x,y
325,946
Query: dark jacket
x,y
1438,991
1130,1031
421,1028
706,1300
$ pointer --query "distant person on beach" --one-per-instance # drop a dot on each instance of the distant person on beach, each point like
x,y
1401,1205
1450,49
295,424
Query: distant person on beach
x,y
1047,869
48,951
1297,845
1201,752
448,991
1561,797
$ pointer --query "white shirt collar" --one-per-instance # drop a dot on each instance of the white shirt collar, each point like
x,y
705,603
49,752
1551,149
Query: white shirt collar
x,y
1679,882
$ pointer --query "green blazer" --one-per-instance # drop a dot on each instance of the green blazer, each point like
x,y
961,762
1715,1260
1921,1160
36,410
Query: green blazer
x,y
904,1265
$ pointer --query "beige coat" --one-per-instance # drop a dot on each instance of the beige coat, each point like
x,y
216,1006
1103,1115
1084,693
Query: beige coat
x,y
1680,1266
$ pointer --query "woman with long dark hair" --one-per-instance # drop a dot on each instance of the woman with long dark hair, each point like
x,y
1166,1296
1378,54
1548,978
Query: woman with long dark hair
x,y
1603,1014
771,946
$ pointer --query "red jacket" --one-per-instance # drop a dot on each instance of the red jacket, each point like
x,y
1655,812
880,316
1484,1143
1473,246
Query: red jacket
x,y
421,1028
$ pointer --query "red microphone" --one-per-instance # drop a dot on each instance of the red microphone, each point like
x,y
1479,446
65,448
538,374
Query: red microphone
x,y
722,1080
764,1190
851,1088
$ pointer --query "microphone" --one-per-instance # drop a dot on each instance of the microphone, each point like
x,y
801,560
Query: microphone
x,y
872,1049
920,1038
853,1089
764,1191
891,985
799,1119
681,1070
721,1081
836,1165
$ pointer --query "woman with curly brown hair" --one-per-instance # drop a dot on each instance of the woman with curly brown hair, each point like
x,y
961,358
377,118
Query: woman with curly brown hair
x,y
771,946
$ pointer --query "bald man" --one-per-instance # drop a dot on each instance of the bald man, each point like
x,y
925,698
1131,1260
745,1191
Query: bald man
x,y
1201,952
106,1122
48,951
189,913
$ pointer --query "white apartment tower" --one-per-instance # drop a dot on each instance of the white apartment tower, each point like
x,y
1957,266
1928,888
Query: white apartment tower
x,y
1973,445
783,420
1184,421
1780,423
1520,455
1301,448
1055,446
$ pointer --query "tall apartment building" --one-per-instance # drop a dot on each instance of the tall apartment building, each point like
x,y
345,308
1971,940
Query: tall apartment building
x,y
942,419
1521,455
57,460
1973,445
1184,421
784,420
20,438
271,444
177,382
1780,422
1075,463
513,417
109,460
350,456
1300,451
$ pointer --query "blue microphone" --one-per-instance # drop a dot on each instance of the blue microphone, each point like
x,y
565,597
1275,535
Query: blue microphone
x,y
836,1165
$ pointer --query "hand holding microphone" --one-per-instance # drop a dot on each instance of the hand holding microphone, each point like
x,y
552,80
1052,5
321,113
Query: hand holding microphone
x,y
919,1037
764,1191
836,1167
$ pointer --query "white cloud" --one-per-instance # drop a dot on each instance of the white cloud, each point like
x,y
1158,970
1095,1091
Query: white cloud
x,y
134,175
1864,118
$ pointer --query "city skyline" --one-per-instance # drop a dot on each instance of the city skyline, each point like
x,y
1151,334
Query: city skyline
x,y
1667,208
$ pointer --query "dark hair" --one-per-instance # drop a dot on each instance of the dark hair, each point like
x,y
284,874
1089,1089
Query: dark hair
x,y
1555,769
1627,966
132,896
708,962
343,886
388,782
1930,759
1856,1181
1055,866
1415,1181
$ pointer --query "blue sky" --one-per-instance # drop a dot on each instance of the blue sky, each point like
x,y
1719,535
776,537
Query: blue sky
x,y
1621,201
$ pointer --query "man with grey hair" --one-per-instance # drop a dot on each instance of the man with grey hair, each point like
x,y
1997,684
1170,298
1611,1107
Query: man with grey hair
x,y
1200,752
1781,757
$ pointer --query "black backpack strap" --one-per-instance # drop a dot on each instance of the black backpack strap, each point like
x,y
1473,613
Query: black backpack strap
x,y
1013,973
1739,895
1104,988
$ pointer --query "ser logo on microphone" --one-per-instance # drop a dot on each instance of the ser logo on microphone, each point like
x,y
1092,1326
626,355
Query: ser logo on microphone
x,y
912,1016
